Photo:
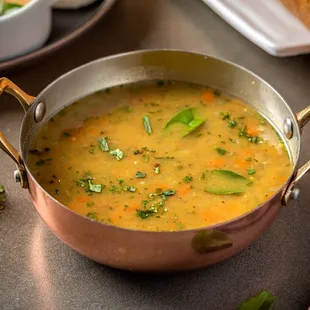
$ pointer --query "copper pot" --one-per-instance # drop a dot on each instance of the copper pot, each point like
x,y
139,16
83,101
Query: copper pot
x,y
142,250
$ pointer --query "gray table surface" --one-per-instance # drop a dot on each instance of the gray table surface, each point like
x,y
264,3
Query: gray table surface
x,y
37,271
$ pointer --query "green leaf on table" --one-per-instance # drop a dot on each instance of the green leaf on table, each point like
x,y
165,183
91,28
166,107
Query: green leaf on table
x,y
224,182
186,117
263,301
147,124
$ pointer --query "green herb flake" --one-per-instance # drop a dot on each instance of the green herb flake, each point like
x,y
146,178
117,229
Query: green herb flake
x,y
263,301
40,163
147,124
157,168
188,179
145,158
131,189
9,7
249,159
117,154
251,171
97,188
57,192
232,123
144,214
221,151
232,140
90,204
120,181
225,116
66,134
140,175
92,215
169,192
103,144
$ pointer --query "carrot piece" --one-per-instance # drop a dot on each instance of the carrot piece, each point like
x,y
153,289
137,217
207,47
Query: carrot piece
x,y
218,162
252,131
208,96
132,208
184,190
241,163
81,199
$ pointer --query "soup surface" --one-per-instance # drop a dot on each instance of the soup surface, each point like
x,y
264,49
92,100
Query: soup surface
x,y
159,156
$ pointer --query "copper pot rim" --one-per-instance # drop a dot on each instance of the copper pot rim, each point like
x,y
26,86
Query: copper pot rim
x,y
221,225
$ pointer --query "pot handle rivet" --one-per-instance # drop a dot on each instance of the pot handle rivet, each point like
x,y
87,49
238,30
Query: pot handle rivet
x,y
288,128
294,195
39,112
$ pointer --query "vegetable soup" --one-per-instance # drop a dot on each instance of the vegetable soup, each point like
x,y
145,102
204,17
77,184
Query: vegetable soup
x,y
159,156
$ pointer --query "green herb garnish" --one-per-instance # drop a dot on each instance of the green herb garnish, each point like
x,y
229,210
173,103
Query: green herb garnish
x,y
232,123
225,116
164,157
188,179
57,192
221,151
92,215
186,117
243,133
147,124
140,175
263,301
144,214
40,163
103,144
251,171
97,188
232,141
117,154
90,204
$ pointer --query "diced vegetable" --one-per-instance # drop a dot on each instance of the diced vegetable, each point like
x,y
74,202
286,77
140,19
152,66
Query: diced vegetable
x,y
147,124
103,144
140,175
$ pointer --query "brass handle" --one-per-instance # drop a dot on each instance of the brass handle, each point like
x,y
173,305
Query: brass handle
x,y
291,191
25,100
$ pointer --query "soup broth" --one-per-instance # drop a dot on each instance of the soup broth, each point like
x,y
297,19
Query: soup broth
x,y
160,156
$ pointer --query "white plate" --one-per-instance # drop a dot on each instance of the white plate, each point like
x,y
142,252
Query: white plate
x,y
267,23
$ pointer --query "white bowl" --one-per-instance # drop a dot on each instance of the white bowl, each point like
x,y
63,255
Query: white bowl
x,y
25,29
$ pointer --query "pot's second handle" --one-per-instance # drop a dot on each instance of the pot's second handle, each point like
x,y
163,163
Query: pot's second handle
x,y
25,100
291,191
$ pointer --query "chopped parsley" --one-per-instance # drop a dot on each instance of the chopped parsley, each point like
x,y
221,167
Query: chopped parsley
x,y
188,179
67,134
90,204
57,192
225,116
97,188
232,123
40,163
232,140
140,175
221,151
92,215
117,154
243,133
251,171
103,144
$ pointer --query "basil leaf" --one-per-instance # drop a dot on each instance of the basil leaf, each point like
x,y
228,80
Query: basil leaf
x,y
117,154
186,117
263,301
147,124
193,125
144,214
140,175
103,144
97,188
251,171
225,182
229,174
